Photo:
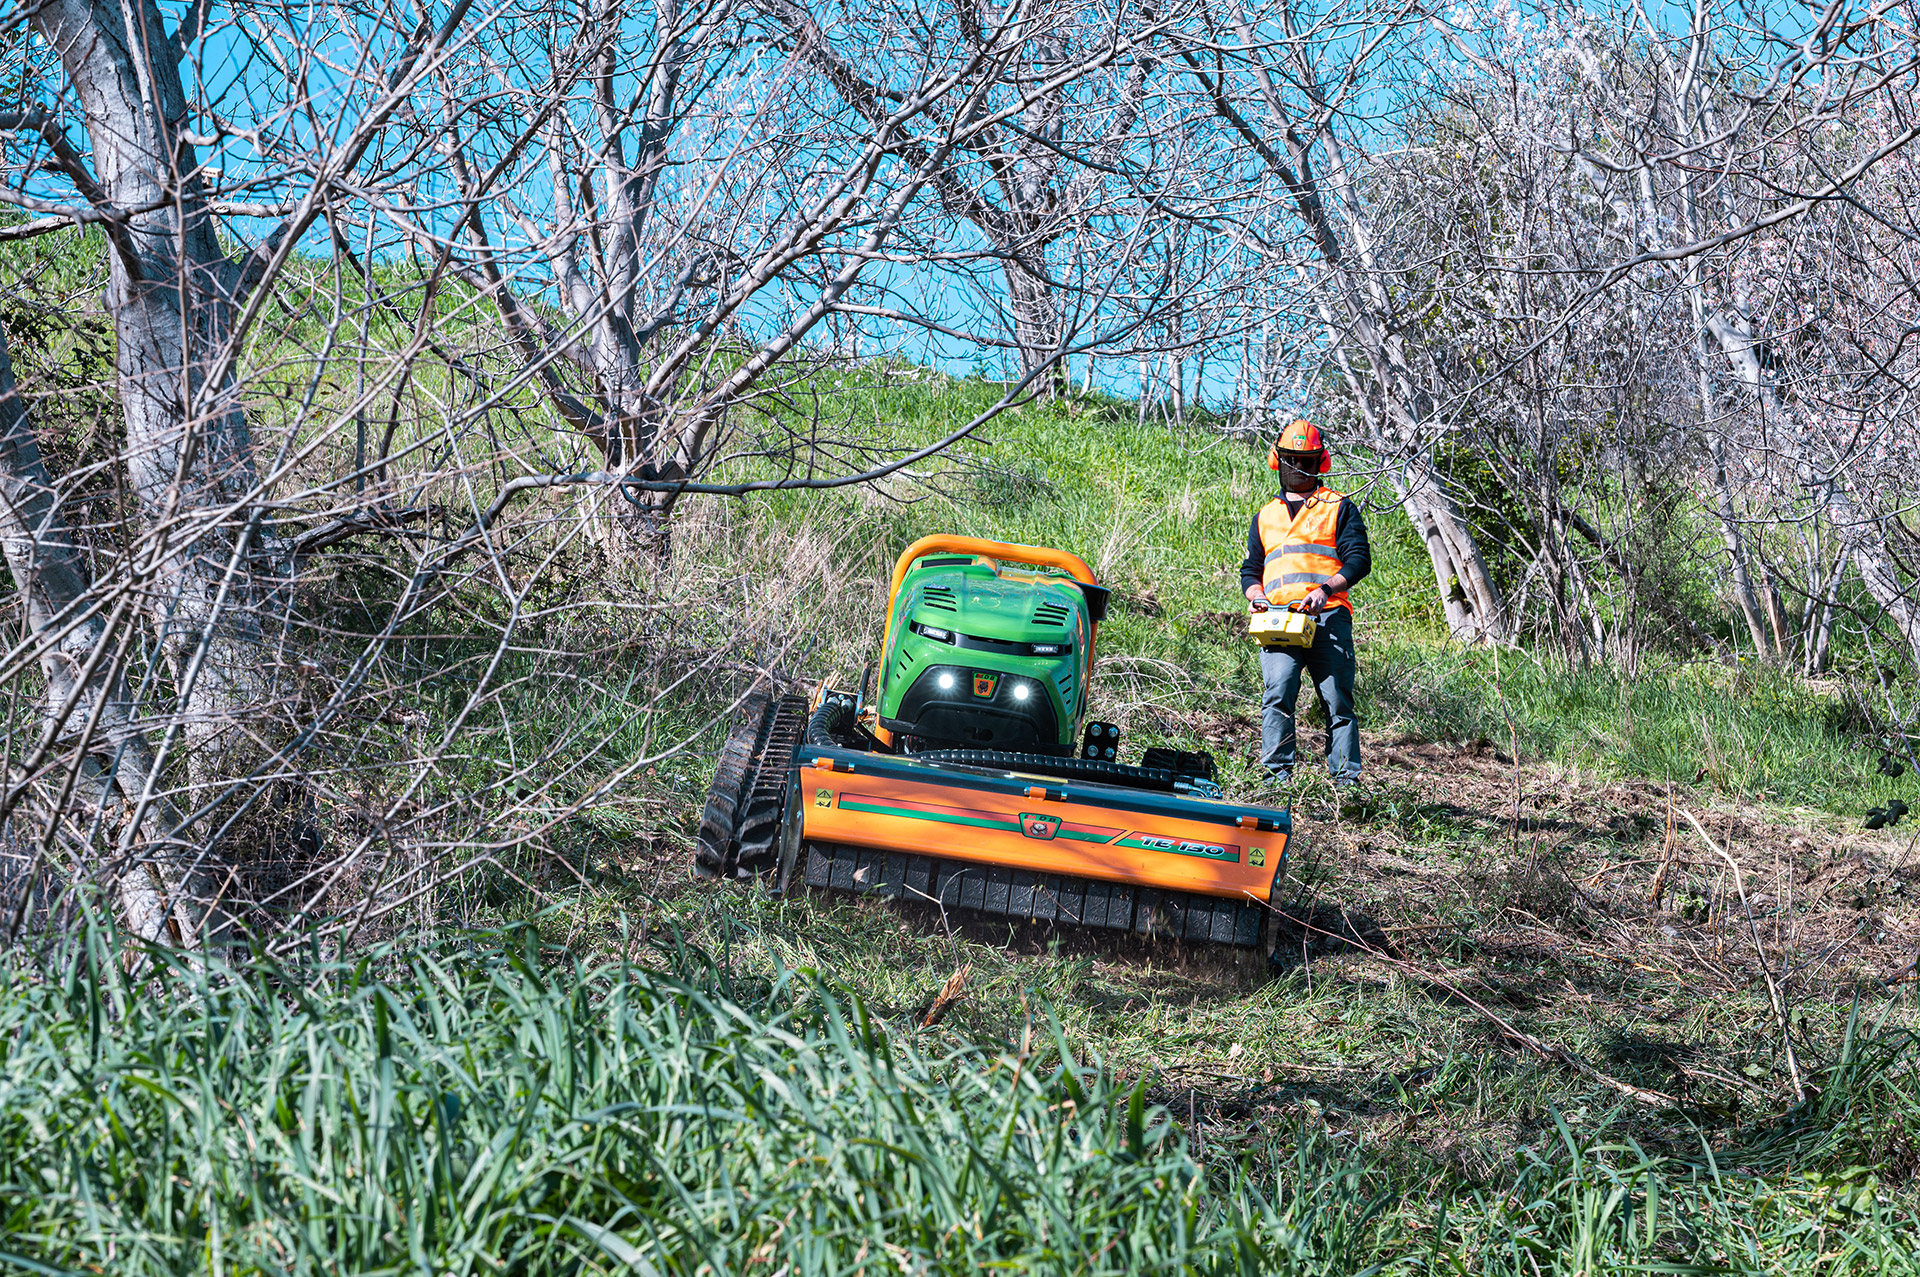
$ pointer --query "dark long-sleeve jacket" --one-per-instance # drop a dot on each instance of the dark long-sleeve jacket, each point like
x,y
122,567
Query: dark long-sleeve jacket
x,y
1349,543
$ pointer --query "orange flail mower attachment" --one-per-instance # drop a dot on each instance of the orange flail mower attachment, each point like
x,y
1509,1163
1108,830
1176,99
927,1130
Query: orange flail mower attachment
x,y
1004,843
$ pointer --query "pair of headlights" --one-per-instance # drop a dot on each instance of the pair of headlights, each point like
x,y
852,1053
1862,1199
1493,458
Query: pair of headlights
x,y
1020,691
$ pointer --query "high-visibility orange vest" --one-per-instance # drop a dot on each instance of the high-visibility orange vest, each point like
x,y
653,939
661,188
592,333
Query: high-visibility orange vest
x,y
1300,548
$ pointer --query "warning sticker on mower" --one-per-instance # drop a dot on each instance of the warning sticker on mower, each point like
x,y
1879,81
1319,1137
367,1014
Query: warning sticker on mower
x,y
1045,828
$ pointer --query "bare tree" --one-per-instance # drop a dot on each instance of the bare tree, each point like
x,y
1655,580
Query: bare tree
x,y
1071,95
105,112
666,209
1286,84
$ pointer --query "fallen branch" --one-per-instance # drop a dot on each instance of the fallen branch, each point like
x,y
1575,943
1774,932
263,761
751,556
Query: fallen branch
x,y
1766,972
1593,879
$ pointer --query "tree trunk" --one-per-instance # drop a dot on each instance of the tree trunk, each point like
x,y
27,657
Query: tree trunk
x,y
163,894
1036,329
1474,609
1732,534
1819,645
173,295
1865,540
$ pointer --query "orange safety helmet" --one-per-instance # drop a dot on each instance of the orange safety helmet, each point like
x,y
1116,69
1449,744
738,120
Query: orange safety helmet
x,y
1301,436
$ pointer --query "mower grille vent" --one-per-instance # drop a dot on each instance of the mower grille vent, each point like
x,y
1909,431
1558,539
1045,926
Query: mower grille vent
x,y
1065,680
1050,614
940,596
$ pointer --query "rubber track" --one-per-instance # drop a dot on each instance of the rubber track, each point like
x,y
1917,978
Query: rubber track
x,y
758,835
1003,892
733,776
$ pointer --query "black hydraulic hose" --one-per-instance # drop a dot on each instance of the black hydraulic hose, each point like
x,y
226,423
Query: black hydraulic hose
x,y
828,724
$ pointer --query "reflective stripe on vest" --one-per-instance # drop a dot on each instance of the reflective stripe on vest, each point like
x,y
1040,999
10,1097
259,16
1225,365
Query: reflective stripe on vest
x,y
1300,548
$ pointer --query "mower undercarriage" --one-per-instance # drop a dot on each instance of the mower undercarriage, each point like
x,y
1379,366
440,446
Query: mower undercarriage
x,y
1023,896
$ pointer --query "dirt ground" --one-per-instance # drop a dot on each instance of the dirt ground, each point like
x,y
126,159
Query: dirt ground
x,y
1632,873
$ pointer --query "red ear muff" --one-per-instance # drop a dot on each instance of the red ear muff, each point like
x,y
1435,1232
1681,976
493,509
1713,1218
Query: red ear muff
x,y
1326,461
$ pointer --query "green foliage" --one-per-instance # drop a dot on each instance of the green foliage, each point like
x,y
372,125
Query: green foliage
x,y
470,1108
467,1110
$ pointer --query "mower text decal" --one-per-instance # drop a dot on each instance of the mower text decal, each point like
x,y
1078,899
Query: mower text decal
x,y
823,798
1042,827
1181,847
983,684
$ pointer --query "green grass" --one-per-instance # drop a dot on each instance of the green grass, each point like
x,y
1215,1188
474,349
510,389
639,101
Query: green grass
x,y
1747,730
483,1107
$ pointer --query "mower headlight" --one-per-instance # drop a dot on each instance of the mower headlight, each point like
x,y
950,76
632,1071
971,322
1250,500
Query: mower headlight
x,y
1044,649
1021,691
946,682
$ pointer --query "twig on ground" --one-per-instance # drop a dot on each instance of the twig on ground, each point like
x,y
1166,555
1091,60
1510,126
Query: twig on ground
x,y
1622,960
1766,971
1666,855
1593,879
1545,1050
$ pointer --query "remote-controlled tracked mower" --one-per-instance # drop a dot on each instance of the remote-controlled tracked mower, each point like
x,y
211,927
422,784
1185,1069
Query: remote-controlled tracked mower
x,y
956,781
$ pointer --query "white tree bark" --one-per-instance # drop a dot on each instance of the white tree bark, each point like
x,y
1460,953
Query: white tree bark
x,y
172,293
1860,528
162,887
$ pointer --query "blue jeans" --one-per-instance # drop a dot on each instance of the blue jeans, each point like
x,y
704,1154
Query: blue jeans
x,y
1331,663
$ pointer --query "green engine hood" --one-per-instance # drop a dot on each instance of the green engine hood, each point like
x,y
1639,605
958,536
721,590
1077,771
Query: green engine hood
x,y
959,619
975,600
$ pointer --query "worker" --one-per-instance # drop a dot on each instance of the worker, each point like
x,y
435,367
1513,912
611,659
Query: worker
x,y
1307,547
